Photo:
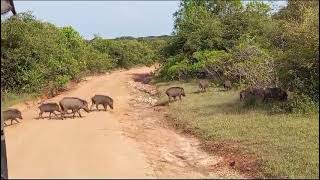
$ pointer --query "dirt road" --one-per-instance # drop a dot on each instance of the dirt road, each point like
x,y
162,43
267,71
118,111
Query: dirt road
x,y
99,144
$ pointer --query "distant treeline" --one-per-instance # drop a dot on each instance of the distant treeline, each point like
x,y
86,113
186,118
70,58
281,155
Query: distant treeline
x,y
38,57
164,37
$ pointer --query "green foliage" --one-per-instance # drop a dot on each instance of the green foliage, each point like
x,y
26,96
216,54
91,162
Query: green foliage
x,y
302,104
127,53
40,57
180,67
252,63
198,30
299,47
260,47
34,53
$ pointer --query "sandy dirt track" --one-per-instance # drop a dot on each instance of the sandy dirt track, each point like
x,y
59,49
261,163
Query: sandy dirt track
x,y
111,144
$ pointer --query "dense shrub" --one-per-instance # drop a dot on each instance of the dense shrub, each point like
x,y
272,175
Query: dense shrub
x,y
247,44
127,52
34,53
40,57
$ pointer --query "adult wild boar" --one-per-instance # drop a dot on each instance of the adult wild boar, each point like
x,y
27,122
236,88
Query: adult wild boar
x,y
253,93
173,92
103,100
227,85
244,94
203,85
11,114
74,104
275,93
49,107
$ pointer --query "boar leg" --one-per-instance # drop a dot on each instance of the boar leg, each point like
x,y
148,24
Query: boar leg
x,y
40,114
97,106
15,120
74,113
79,113
105,107
62,114
54,113
91,106
50,115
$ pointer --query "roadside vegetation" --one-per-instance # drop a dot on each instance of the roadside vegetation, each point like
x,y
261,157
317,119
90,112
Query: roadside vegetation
x,y
39,58
251,46
247,44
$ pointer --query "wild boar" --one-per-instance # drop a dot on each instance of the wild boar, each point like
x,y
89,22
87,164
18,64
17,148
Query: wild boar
x,y
252,93
146,80
74,104
11,114
203,85
102,99
244,94
275,93
227,85
173,92
49,107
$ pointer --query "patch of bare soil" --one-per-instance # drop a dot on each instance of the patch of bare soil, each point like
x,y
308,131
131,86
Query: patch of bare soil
x,y
171,154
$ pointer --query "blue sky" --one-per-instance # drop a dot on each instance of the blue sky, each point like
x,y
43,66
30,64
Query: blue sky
x,y
108,19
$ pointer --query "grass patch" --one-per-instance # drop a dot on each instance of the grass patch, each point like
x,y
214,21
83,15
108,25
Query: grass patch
x,y
9,99
285,145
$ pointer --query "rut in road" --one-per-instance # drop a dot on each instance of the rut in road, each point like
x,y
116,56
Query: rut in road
x,y
99,144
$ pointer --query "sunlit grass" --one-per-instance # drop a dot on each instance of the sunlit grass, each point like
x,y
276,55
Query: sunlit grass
x,y
287,144
9,99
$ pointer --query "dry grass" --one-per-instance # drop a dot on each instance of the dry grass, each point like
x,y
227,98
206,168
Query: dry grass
x,y
9,99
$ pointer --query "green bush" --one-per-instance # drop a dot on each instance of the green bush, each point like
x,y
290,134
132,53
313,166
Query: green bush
x,y
37,56
35,53
127,53
259,47
300,103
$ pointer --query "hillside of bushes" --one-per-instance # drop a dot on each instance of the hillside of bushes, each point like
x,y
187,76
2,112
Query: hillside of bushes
x,y
249,44
38,57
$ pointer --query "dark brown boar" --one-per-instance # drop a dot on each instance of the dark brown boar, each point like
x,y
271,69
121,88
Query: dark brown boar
x,y
103,100
49,107
11,114
255,93
275,93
